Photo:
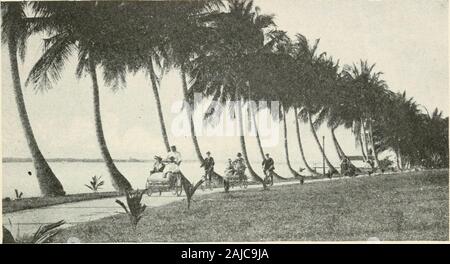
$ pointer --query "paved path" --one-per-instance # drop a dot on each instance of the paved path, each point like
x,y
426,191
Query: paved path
x,y
28,221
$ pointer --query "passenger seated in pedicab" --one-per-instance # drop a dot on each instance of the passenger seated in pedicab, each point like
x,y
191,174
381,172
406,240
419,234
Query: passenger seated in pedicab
x,y
229,170
239,165
157,173
173,162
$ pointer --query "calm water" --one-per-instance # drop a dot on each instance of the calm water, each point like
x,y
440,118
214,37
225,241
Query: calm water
x,y
74,175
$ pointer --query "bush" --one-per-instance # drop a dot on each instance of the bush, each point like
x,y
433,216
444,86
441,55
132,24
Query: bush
x,y
95,184
135,209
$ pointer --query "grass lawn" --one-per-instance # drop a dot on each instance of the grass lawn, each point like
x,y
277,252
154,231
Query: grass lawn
x,y
9,206
408,206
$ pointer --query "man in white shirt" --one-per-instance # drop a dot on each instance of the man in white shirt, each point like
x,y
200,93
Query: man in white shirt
x,y
173,160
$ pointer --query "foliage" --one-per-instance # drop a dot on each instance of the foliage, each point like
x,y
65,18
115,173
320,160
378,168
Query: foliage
x,y
135,209
44,234
18,194
386,164
95,184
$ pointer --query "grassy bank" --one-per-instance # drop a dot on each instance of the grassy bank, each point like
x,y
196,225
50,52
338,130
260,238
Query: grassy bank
x,y
9,206
409,206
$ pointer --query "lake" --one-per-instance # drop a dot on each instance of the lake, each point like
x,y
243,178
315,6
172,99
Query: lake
x,y
74,175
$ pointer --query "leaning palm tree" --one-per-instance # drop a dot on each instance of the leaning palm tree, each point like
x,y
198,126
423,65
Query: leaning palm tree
x,y
371,91
221,70
15,31
270,75
87,28
300,145
187,37
337,105
314,80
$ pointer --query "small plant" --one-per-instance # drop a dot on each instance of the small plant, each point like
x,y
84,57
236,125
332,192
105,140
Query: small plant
x,y
190,189
95,183
42,235
135,209
18,194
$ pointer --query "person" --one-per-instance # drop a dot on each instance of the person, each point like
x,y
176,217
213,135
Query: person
x,y
173,160
229,170
268,166
239,165
158,166
157,173
208,165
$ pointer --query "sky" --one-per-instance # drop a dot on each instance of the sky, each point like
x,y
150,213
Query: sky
x,y
406,39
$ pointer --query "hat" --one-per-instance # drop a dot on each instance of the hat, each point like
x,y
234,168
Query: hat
x,y
239,154
208,152
157,157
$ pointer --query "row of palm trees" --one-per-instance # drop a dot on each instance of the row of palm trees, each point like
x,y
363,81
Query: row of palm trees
x,y
227,51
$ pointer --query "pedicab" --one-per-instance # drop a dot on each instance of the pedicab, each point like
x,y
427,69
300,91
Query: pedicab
x,y
235,177
168,180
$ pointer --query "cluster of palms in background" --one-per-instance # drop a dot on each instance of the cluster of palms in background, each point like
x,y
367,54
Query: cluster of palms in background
x,y
231,53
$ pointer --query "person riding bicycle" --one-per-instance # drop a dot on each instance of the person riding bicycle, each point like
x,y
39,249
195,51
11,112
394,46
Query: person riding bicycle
x,y
239,165
268,166
208,165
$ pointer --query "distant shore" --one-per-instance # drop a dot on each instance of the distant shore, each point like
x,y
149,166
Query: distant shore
x,y
9,160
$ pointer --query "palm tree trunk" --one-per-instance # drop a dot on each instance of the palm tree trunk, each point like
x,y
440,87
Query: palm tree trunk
x,y
258,140
339,150
366,145
242,141
286,149
119,182
399,159
332,168
362,148
189,115
191,122
372,145
297,126
48,183
158,105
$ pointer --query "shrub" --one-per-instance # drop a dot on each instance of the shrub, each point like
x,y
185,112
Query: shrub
x,y
42,235
135,209
18,194
385,164
95,184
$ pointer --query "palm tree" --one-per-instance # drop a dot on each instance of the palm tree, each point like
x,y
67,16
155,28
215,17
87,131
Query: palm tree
x,y
372,91
87,27
286,149
313,85
300,145
221,70
15,31
186,39
258,140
